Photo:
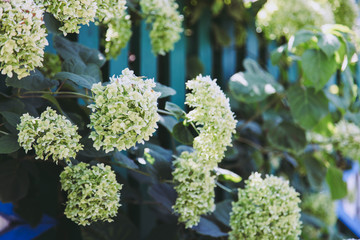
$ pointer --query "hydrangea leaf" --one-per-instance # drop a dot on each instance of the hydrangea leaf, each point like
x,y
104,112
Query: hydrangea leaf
x,y
317,68
209,228
182,134
254,84
175,110
8,144
85,81
334,178
307,106
222,212
328,43
164,90
35,81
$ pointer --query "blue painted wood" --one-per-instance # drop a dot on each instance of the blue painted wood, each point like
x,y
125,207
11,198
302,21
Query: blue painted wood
x,y
293,72
228,55
273,70
204,44
252,46
178,71
89,36
148,61
120,63
50,48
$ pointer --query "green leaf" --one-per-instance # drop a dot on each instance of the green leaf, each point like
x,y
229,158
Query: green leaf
x,y
208,228
123,160
85,81
182,134
328,43
194,67
176,111
12,118
277,54
315,171
300,37
122,228
52,24
227,175
288,137
53,100
14,180
254,85
164,90
325,126
35,81
317,68
168,122
334,178
307,106
8,144
222,212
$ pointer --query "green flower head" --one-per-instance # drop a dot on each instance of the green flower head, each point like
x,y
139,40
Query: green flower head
x,y
51,135
212,115
346,138
195,188
267,209
93,193
113,14
124,112
72,13
22,37
320,205
278,18
166,24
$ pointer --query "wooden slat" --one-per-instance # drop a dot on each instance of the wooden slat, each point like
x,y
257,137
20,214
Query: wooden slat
x,y
148,61
273,70
121,62
252,46
89,36
50,48
228,56
178,71
204,44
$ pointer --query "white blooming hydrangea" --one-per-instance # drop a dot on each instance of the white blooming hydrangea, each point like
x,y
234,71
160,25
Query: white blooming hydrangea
x,y
166,24
195,188
93,193
320,205
124,112
266,209
113,14
213,117
346,138
22,37
72,13
278,18
345,11
51,136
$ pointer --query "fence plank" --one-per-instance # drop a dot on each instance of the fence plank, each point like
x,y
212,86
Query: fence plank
x,y
89,36
252,49
273,70
148,63
204,43
50,48
228,56
178,71
121,62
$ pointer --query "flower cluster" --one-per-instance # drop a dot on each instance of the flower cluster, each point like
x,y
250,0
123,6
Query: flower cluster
x,y
166,24
71,13
266,209
213,117
124,112
215,122
113,14
22,37
346,138
51,135
345,12
195,188
93,193
278,18
320,205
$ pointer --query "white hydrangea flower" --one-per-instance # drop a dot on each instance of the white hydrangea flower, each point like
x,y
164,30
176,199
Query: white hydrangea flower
x,y
320,205
213,118
113,14
93,193
22,37
278,18
195,188
345,11
51,136
72,13
166,24
346,138
124,112
267,209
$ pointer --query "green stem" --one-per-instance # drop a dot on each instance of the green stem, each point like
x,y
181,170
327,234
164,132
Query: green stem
x,y
60,93
224,187
193,125
164,112
4,132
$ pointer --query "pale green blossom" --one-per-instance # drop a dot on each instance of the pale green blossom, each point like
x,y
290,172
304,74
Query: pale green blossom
x,y
278,18
22,37
195,189
124,112
51,136
267,209
213,117
93,193
166,24
72,13
346,138
113,14
345,11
